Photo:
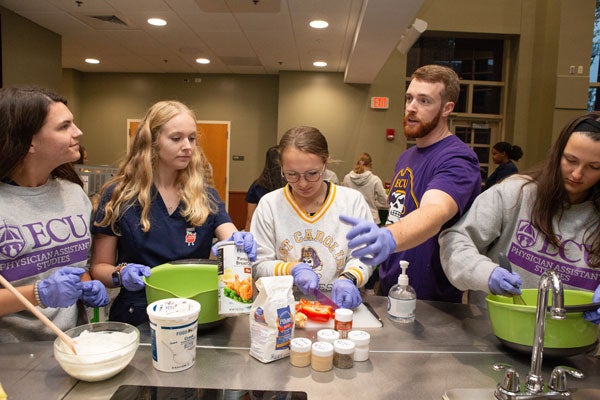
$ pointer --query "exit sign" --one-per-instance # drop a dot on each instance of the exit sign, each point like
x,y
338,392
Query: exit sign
x,y
380,103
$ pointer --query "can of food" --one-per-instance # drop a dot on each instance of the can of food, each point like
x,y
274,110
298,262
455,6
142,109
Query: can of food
x,y
234,279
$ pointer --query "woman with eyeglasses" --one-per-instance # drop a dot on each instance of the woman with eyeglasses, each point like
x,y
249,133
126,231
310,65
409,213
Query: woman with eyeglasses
x,y
297,227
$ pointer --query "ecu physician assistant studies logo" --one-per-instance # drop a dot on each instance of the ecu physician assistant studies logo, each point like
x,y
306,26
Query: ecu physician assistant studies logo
x,y
526,234
11,241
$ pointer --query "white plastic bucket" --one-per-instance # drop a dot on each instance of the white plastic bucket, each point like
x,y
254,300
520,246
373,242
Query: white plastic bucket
x,y
174,330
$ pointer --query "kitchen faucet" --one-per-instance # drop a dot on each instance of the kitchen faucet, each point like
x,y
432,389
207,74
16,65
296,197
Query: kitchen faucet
x,y
510,388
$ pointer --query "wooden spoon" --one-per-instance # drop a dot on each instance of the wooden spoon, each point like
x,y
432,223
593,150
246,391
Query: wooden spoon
x,y
63,336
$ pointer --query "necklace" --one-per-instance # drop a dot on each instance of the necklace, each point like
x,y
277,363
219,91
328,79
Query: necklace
x,y
314,205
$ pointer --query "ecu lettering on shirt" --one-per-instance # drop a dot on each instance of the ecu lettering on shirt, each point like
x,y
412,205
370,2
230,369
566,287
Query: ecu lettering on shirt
x,y
532,252
35,247
397,198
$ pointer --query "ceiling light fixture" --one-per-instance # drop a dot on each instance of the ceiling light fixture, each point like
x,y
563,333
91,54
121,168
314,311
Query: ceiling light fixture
x,y
202,60
92,61
318,24
320,64
157,21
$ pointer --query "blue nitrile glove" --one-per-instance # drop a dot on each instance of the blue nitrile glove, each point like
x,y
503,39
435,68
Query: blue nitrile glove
x,y
305,278
345,293
241,239
61,289
131,276
594,316
378,242
94,294
504,282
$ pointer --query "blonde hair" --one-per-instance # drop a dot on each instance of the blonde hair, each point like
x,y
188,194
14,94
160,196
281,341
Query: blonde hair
x,y
364,160
135,176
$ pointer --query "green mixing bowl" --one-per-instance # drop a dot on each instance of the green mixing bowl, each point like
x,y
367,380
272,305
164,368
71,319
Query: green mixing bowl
x,y
194,279
515,324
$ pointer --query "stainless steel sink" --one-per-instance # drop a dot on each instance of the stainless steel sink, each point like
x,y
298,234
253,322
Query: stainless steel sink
x,y
488,394
469,394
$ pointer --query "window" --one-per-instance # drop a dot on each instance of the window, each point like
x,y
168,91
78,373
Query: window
x,y
479,112
593,95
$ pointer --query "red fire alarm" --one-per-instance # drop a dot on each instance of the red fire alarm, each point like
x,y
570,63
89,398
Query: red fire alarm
x,y
380,103
390,133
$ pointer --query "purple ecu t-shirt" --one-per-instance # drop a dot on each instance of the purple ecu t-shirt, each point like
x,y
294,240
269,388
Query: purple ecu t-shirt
x,y
452,167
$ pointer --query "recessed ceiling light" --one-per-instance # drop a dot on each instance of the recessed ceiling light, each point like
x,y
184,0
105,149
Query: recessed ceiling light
x,y
320,64
202,60
92,61
318,24
157,21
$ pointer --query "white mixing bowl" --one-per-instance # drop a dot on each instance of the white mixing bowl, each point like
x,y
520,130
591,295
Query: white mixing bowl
x,y
103,350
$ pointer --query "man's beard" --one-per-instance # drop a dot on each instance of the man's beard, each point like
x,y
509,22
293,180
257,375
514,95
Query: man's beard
x,y
422,129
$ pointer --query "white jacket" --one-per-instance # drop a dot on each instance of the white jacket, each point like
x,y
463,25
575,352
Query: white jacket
x,y
371,188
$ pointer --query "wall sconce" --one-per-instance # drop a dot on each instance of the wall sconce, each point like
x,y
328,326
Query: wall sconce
x,y
411,35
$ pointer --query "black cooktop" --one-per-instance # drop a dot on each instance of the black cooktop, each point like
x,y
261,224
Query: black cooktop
x,y
131,392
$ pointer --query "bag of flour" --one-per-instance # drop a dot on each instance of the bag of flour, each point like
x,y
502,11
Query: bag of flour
x,y
272,318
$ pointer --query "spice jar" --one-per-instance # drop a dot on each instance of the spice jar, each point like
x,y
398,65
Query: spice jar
x,y
361,341
322,356
343,321
327,335
300,349
343,353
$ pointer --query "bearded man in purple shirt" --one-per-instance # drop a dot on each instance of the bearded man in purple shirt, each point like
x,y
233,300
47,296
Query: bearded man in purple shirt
x,y
434,183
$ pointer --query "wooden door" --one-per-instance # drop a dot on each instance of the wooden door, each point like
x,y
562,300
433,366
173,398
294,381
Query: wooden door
x,y
214,140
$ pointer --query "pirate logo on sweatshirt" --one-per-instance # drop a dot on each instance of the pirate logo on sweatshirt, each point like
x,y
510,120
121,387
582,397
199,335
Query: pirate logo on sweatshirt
x,y
310,257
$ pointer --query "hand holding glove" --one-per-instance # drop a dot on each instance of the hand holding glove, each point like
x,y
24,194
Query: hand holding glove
x,y
241,239
131,276
594,316
61,289
305,278
504,283
377,243
345,293
94,294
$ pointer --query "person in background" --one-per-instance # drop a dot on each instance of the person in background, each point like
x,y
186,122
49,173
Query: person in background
x,y
269,180
83,158
434,183
331,176
502,154
361,178
370,186
157,208
547,218
297,229
44,214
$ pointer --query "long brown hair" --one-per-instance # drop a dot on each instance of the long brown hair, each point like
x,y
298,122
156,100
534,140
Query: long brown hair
x,y
270,176
135,177
552,198
22,115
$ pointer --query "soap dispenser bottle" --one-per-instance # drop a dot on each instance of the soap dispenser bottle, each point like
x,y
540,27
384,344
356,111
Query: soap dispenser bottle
x,y
402,298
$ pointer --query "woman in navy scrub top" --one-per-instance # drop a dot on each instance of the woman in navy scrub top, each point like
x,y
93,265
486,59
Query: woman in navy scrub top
x,y
157,208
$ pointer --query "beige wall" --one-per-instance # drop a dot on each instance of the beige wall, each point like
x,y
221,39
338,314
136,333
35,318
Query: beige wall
x,y
546,36
249,102
31,55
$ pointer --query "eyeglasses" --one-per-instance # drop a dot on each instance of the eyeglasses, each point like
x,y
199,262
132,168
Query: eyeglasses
x,y
310,176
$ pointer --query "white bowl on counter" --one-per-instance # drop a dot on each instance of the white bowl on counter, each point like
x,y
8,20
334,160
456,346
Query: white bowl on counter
x,y
103,350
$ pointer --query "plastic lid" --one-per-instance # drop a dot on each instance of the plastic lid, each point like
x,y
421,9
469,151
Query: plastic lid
x,y
403,278
344,314
344,346
327,335
173,309
360,338
301,345
322,349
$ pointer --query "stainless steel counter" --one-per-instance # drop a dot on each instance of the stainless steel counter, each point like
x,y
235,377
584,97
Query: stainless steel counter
x,y
449,346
